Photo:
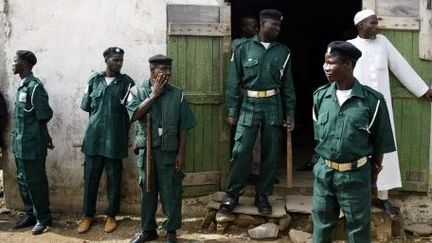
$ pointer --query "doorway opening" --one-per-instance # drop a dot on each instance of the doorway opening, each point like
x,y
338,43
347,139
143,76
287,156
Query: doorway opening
x,y
307,27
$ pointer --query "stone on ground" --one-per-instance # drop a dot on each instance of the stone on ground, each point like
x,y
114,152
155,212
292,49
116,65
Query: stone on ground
x,y
264,231
222,217
419,229
284,222
244,220
298,236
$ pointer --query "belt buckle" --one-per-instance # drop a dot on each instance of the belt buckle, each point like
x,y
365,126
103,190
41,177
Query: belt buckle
x,y
262,94
334,165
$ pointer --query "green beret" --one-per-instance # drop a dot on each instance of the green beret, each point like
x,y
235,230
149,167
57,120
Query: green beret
x,y
111,51
160,59
271,14
345,49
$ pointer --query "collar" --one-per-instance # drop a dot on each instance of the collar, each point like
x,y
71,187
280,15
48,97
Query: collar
x,y
257,40
26,80
357,90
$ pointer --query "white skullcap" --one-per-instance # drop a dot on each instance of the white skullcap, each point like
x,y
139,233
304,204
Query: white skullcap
x,y
362,15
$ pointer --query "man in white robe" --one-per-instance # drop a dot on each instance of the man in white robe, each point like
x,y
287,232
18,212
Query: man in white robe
x,y
372,69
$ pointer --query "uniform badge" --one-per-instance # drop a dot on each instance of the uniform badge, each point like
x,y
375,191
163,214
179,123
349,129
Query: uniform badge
x,y
22,97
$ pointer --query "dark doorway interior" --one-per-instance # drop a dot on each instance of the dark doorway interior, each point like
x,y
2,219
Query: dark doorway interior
x,y
307,27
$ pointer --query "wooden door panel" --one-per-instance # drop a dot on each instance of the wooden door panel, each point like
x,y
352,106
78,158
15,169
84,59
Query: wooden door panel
x,y
197,41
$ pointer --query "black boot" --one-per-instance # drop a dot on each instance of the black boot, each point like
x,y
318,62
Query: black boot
x,y
145,236
264,207
171,237
25,222
388,208
228,205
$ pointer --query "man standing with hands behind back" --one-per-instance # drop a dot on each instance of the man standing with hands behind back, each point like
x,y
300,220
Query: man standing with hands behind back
x,y
30,142
262,68
372,69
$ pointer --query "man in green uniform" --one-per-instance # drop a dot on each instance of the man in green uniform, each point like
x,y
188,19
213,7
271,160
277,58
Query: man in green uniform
x,y
106,137
30,142
352,129
170,119
261,67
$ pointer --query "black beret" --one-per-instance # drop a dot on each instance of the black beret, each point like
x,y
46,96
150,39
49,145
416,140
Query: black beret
x,y
160,59
111,51
345,49
27,56
271,14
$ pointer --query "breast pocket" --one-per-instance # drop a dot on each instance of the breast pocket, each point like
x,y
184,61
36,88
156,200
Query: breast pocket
x,y
358,131
251,67
95,98
321,126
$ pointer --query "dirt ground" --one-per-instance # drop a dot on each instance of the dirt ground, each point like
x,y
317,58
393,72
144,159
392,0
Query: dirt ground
x,y
64,230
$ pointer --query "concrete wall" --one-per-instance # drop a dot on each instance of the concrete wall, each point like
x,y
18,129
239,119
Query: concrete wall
x,y
68,38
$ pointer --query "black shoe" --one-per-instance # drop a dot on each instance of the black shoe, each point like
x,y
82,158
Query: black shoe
x,y
171,237
145,236
264,207
39,229
388,208
25,222
228,205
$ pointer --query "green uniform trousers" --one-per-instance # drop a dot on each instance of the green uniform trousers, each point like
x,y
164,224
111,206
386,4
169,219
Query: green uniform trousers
x,y
241,160
349,191
93,168
168,184
33,187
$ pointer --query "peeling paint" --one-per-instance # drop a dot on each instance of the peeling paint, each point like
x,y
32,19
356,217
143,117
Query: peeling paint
x,y
5,21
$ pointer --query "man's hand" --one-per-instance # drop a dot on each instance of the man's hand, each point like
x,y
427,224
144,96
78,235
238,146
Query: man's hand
x,y
179,163
159,84
232,122
289,124
428,95
50,143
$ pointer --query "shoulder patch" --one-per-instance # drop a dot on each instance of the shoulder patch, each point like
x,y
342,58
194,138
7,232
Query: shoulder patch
x,y
175,87
237,42
35,81
92,75
321,88
128,78
373,92
283,47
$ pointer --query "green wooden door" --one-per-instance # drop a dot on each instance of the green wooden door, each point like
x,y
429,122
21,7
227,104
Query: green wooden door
x,y
412,115
198,41
402,22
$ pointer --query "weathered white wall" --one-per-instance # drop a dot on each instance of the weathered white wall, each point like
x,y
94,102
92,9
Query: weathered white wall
x,y
68,38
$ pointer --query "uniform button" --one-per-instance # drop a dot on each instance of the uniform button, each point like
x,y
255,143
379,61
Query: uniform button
x,y
340,113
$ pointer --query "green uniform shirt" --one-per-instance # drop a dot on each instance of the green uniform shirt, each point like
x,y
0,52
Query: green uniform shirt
x,y
108,127
32,112
360,127
170,114
253,67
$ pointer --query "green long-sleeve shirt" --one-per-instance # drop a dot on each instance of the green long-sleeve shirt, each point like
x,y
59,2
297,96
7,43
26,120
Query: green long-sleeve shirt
x,y
360,127
253,67
108,127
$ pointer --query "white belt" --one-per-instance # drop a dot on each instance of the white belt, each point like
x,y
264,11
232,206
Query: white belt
x,y
261,93
346,166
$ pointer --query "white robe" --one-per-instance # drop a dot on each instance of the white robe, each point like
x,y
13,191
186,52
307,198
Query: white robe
x,y
372,69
